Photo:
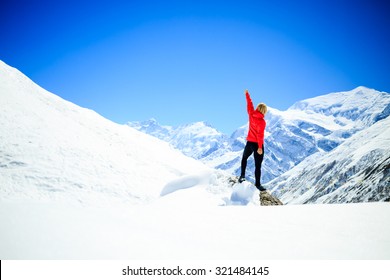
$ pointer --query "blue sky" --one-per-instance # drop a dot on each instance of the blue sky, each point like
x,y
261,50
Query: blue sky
x,y
187,61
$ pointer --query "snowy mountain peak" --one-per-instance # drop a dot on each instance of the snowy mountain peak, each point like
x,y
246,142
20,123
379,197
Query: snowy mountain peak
x,y
352,105
201,128
198,139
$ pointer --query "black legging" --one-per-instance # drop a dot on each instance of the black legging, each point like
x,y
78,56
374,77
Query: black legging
x,y
252,147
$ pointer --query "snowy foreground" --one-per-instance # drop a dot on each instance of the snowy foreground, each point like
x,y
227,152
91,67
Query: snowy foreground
x,y
172,229
74,185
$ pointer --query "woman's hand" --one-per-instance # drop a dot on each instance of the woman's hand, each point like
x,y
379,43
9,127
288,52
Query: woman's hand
x,y
246,91
260,151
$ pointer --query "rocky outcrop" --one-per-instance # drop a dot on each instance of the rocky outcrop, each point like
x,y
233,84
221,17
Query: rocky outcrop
x,y
266,199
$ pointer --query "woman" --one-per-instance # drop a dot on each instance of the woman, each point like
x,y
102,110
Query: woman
x,y
255,139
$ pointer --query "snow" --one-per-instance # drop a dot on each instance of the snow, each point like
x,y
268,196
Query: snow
x,y
293,116
243,194
167,230
341,101
188,181
74,185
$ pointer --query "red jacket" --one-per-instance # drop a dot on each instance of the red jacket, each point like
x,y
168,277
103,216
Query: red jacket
x,y
256,123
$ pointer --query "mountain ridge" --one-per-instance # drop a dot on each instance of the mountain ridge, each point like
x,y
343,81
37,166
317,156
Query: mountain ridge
x,y
358,170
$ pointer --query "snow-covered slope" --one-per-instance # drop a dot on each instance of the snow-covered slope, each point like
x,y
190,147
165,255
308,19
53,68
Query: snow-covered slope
x,y
358,170
170,230
53,149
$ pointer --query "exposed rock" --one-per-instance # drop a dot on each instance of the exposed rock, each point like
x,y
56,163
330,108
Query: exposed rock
x,y
266,199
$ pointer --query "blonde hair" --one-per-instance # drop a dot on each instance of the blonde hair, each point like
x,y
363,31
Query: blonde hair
x,y
262,108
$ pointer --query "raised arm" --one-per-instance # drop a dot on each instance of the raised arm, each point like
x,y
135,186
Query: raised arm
x,y
249,103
